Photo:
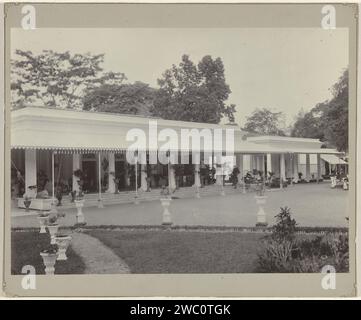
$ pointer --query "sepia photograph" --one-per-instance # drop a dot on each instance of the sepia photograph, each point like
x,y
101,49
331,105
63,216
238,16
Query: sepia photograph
x,y
180,149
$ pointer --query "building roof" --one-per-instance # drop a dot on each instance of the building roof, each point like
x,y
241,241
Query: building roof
x,y
83,131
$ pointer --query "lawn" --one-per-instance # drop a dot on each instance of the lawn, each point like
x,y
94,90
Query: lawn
x,y
25,250
183,251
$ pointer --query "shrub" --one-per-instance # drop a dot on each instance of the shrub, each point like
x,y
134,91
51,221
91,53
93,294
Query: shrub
x,y
283,252
285,227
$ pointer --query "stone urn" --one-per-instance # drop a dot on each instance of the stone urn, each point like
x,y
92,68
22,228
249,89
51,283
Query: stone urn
x,y
43,221
79,204
165,201
261,214
62,242
345,184
333,182
49,260
53,230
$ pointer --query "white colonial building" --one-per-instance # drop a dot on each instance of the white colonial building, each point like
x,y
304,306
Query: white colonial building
x,y
49,145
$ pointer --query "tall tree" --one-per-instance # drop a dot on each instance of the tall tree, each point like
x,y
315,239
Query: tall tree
x,y
195,93
56,79
136,98
336,114
264,121
328,121
310,124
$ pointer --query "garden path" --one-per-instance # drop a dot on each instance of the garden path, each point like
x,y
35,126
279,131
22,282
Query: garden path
x,y
97,258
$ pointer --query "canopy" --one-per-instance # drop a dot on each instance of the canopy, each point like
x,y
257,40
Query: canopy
x,y
72,131
332,159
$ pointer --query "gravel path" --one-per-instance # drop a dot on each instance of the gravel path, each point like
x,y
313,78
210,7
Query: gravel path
x,y
97,258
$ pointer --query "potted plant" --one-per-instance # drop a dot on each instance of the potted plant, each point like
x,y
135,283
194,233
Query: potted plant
x,y
32,191
165,199
53,227
62,241
49,256
261,200
300,174
79,204
27,202
59,195
43,219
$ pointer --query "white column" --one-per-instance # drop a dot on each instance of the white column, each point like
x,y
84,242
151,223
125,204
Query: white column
x,y
30,171
100,203
253,164
76,166
295,168
308,168
269,163
197,179
172,182
246,163
219,170
143,177
318,168
282,169
111,168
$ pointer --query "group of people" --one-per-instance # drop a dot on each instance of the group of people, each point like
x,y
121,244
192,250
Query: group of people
x,y
237,177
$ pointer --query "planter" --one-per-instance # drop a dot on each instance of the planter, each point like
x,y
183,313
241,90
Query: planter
x,y
27,203
49,260
261,214
43,221
79,204
63,244
167,220
53,229
344,184
59,197
333,182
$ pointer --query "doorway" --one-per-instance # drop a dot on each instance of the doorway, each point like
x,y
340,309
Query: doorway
x,y
90,176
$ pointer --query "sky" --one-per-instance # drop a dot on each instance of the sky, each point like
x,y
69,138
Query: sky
x,y
282,69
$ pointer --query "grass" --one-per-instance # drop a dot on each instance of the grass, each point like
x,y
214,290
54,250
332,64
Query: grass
x,y
25,250
183,251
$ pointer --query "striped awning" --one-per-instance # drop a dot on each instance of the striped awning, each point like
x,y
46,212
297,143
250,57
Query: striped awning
x,y
332,159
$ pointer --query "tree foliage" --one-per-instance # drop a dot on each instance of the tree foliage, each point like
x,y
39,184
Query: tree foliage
x,y
308,124
134,98
57,79
264,121
195,93
328,121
